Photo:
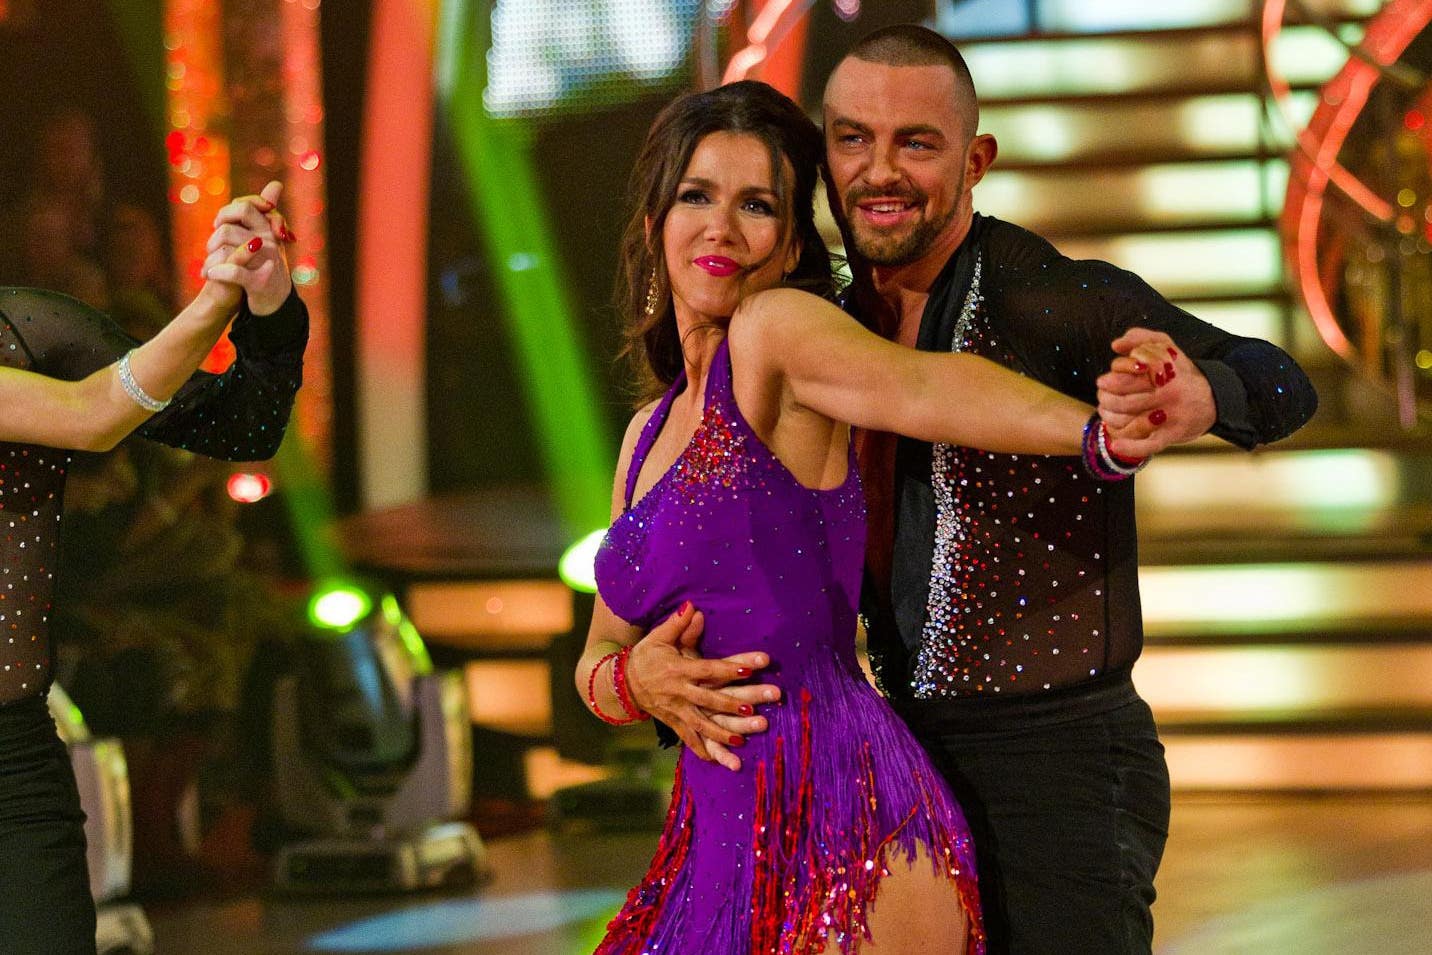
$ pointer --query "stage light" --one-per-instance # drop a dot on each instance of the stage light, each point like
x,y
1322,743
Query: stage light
x,y
417,650
338,607
249,488
507,207
577,566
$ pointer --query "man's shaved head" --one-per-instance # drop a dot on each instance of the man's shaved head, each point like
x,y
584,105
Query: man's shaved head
x,y
907,44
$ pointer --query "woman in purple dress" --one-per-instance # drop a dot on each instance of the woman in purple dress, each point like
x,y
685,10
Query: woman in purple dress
x,y
737,508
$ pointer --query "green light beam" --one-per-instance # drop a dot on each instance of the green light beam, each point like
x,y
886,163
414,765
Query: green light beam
x,y
506,204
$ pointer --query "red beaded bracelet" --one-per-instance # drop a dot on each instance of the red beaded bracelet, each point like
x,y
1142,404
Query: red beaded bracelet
x,y
592,693
619,683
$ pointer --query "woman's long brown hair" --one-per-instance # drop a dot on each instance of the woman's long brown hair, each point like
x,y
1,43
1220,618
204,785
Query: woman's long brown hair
x,y
652,343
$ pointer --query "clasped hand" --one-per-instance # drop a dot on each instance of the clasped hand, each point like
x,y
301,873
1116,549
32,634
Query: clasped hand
x,y
1153,397
246,254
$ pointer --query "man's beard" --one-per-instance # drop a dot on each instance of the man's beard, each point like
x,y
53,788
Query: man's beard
x,y
886,249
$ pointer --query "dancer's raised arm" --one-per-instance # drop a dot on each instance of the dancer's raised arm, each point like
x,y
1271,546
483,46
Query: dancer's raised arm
x,y
83,384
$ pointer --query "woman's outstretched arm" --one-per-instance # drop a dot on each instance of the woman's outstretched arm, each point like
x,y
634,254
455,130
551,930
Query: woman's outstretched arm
x,y
70,393
95,412
829,363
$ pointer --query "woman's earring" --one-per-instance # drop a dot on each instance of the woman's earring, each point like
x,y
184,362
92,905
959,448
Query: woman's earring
x,y
651,296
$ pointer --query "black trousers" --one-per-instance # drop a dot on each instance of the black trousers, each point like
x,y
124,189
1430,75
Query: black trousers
x,y
45,902
1067,798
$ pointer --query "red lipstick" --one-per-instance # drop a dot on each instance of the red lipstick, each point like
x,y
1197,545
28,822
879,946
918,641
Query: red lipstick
x,y
717,265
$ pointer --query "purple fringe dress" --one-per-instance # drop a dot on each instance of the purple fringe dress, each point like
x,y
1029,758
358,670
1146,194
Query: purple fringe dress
x,y
790,850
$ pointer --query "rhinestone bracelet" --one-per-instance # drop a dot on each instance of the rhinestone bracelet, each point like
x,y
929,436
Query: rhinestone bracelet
x,y
133,389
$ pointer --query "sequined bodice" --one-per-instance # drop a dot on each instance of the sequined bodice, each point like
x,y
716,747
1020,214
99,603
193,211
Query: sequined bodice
x,y
240,415
772,564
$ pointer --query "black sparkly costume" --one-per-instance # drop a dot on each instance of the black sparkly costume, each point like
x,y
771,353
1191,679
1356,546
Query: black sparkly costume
x,y
1011,617
240,415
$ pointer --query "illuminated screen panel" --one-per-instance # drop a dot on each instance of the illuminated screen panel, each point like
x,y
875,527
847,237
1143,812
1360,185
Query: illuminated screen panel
x,y
558,56
976,18
1321,480
1278,681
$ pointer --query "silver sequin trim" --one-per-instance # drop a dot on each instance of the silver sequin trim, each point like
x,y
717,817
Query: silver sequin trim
x,y
933,672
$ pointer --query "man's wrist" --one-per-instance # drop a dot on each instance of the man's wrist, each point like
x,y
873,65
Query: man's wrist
x,y
262,306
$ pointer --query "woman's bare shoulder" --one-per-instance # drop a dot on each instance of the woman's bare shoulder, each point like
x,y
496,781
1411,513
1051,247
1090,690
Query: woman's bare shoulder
x,y
635,425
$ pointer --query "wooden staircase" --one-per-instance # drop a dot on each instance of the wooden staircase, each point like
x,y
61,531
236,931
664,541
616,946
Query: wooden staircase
x,y
1287,594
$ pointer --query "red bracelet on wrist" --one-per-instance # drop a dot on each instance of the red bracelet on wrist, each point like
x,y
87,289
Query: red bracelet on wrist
x,y
619,683
616,656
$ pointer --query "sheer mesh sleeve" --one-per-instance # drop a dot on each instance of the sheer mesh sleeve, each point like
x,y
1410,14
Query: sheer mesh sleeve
x,y
239,415
1071,310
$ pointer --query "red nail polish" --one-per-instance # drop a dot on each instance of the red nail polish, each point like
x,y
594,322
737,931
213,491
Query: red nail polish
x,y
1157,417
743,671
747,709
1140,366
255,244
1172,353
1168,368
685,608
286,234
1159,379
737,741
1171,375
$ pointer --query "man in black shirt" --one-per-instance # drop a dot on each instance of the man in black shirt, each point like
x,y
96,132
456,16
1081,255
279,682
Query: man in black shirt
x,y
1002,599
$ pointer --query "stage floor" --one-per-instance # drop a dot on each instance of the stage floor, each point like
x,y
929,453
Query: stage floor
x,y
1256,875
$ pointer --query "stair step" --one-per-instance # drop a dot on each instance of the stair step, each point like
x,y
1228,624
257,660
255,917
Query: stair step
x,y
1159,545
1152,65
1313,490
1111,225
1263,316
1357,722
1412,631
1115,160
1171,197
1241,262
1289,683
1106,132
1163,95
1286,598
1400,762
